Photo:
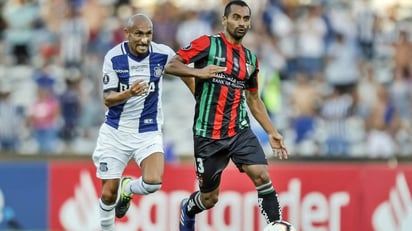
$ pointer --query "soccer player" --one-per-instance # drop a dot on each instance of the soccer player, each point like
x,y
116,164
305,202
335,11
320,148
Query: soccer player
x,y
221,125
132,83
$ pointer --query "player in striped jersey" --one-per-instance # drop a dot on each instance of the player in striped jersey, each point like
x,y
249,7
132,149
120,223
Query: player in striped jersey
x,y
132,83
221,124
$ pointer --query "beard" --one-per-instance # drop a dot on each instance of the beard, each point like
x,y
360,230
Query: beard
x,y
236,34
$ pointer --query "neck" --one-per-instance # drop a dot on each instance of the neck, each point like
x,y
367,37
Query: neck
x,y
231,39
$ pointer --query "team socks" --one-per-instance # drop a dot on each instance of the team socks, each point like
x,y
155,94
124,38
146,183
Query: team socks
x,y
107,214
195,205
268,202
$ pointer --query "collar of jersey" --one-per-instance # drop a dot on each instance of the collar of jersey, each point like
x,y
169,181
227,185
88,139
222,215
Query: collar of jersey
x,y
227,41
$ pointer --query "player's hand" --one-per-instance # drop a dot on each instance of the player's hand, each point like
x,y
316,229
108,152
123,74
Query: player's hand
x,y
278,146
210,71
139,87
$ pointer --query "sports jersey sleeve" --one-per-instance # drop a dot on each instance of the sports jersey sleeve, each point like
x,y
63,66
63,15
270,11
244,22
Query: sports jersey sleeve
x,y
170,53
196,50
252,83
110,78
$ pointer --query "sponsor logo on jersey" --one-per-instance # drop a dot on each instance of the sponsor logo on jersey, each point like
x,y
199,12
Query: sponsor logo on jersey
x,y
229,81
121,71
187,47
106,79
148,121
220,59
138,67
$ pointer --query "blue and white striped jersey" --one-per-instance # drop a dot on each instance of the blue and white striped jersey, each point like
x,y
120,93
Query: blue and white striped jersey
x,y
120,70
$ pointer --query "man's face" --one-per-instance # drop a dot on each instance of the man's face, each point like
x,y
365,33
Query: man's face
x,y
237,23
139,36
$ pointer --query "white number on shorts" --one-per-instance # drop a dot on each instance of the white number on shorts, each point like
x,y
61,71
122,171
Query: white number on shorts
x,y
200,168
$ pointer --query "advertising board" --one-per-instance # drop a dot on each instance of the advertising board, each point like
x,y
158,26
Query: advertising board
x,y
315,197
23,196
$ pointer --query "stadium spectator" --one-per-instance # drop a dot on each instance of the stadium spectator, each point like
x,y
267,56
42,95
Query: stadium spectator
x,y
70,104
400,91
402,55
383,124
366,26
311,30
335,112
44,114
221,126
165,21
20,17
191,27
11,120
341,55
306,100
74,36
283,27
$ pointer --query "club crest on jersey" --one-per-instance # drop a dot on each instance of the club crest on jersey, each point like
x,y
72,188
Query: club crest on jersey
x,y
158,71
249,68
103,167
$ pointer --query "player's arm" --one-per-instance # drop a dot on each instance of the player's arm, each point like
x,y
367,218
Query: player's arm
x,y
258,110
177,66
113,98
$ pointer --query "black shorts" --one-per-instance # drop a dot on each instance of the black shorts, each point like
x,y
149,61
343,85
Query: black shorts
x,y
212,156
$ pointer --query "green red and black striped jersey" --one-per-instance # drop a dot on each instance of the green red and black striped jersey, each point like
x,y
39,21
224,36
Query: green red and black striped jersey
x,y
220,110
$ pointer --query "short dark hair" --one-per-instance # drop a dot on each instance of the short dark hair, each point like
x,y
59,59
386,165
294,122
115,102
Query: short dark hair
x,y
235,2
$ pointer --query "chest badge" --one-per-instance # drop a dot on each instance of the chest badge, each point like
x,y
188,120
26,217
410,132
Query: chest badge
x,y
158,71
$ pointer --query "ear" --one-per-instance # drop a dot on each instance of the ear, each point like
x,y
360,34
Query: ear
x,y
224,20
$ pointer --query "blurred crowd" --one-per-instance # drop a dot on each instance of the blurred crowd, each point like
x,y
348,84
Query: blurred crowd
x,y
335,75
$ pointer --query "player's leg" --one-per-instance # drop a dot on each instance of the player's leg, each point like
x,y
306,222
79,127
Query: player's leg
x,y
149,156
107,203
211,160
196,203
110,183
152,173
110,161
249,157
267,196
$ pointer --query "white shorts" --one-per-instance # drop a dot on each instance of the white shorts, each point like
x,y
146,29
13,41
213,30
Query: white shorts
x,y
115,148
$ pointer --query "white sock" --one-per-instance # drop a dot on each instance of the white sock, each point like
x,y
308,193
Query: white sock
x,y
136,187
107,214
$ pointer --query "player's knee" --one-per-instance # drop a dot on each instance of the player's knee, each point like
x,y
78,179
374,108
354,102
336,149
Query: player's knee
x,y
210,200
151,187
109,196
262,177
109,191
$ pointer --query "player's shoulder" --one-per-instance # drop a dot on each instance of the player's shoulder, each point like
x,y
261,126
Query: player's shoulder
x,y
207,37
249,52
116,50
161,48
